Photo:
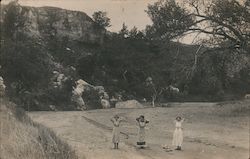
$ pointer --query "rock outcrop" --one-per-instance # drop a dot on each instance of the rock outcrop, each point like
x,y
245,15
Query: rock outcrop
x,y
77,94
85,95
41,22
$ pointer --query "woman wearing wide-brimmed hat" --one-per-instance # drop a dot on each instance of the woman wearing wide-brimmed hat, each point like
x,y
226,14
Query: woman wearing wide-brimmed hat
x,y
142,122
178,133
116,120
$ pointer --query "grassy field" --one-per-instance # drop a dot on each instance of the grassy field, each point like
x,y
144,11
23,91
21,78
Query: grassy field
x,y
211,131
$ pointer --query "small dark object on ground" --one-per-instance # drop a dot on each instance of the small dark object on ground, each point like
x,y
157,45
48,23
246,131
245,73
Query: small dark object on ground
x,y
141,143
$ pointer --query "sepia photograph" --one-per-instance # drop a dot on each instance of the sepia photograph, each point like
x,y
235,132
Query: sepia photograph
x,y
124,79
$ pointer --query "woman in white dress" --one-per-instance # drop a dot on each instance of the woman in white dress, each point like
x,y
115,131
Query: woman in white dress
x,y
116,120
141,133
178,133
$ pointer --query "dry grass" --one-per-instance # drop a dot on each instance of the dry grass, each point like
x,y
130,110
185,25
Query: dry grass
x,y
20,138
234,108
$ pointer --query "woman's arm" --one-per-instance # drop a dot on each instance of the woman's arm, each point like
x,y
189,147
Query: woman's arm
x,y
183,119
112,120
123,119
137,119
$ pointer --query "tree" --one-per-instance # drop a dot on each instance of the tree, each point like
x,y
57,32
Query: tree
x,y
134,33
124,31
169,19
25,62
155,93
13,20
100,18
225,20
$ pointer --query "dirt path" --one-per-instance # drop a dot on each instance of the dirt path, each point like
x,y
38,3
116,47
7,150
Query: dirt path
x,y
207,136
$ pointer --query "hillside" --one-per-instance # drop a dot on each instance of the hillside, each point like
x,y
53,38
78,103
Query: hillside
x,y
21,138
40,45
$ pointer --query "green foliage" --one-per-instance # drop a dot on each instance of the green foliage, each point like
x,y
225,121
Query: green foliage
x,y
124,31
86,66
212,74
101,19
134,33
24,63
169,19
123,64
91,99
60,97
14,21
225,20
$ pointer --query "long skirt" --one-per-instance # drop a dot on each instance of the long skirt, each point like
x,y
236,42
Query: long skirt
x,y
177,137
141,135
116,135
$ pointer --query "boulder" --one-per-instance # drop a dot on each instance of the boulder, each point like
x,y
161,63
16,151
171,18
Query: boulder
x,y
105,104
78,101
101,91
77,94
247,96
86,96
129,104
58,79
99,88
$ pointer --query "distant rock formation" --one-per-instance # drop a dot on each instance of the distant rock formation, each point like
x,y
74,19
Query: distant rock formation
x,y
44,21
84,89
77,94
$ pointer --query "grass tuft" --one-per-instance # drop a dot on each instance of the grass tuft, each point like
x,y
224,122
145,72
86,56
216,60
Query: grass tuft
x,y
21,138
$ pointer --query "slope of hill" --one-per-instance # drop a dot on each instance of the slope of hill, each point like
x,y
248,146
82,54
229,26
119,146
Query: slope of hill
x,y
21,138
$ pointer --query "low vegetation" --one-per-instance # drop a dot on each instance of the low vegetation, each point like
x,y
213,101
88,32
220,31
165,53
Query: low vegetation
x,y
21,138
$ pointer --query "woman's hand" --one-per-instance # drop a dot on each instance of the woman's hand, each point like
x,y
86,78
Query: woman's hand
x,y
123,119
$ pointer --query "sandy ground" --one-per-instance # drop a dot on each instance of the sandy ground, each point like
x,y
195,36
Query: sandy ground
x,y
211,131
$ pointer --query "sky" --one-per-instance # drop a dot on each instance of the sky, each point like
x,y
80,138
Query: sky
x,y
130,12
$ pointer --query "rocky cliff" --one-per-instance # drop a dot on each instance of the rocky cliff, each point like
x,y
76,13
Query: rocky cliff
x,y
49,22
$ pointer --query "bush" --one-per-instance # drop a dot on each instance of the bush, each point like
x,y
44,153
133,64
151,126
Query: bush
x,y
91,99
25,64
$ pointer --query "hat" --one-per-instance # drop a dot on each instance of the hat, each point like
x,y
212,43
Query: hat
x,y
178,118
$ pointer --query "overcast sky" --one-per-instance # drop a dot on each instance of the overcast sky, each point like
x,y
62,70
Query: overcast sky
x,y
131,12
